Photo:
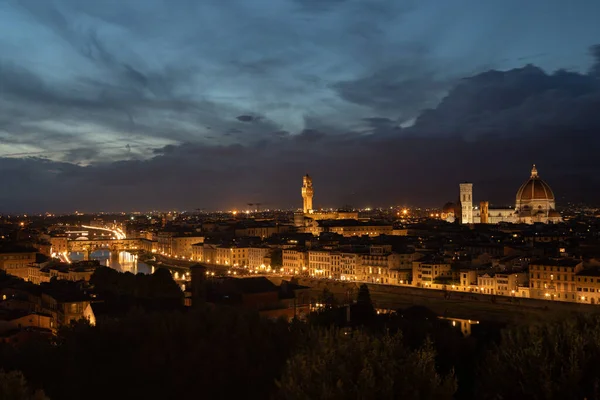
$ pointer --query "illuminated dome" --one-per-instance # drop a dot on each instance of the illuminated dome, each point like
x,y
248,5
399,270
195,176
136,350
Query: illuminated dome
x,y
534,189
535,201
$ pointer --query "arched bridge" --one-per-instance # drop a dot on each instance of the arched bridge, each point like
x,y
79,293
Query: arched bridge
x,y
114,245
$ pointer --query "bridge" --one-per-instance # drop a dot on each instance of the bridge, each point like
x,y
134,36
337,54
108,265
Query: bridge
x,y
87,247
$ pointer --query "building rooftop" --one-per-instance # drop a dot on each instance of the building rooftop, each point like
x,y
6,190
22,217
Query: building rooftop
x,y
589,272
350,222
556,262
13,248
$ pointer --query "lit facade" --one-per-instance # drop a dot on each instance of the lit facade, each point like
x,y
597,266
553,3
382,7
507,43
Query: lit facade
x,y
233,256
362,230
588,286
425,273
319,263
511,284
181,246
40,275
307,194
59,244
259,257
554,278
466,202
534,202
17,263
295,261
344,266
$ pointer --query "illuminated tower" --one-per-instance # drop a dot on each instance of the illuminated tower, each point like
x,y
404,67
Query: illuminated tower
x,y
484,212
307,194
466,202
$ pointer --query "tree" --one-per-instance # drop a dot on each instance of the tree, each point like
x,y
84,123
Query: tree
x,y
557,360
364,296
13,386
218,351
124,289
276,259
363,312
337,365
328,298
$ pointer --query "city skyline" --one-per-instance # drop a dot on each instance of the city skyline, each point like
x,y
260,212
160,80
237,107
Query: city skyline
x,y
299,199
100,112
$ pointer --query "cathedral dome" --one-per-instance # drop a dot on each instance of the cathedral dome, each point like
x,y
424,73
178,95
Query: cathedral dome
x,y
534,189
449,207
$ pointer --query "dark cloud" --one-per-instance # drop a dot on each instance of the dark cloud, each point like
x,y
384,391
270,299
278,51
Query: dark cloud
x,y
488,130
111,97
403,89
516,103
247,118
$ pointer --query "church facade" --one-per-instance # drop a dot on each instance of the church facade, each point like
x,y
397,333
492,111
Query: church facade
x,y
534,203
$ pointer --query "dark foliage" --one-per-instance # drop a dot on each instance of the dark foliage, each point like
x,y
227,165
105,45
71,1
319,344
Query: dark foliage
x,y
340,365
549,361
158,290
363,311
217,353
13,386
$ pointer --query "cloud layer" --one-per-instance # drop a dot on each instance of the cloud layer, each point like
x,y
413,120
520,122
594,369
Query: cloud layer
x,y
138,105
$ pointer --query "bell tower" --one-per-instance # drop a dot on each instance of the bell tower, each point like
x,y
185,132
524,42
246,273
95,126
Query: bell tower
x,y
307,194
466,203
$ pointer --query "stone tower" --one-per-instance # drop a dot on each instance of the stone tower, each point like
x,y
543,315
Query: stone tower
x,y
466,202
307,194
484,212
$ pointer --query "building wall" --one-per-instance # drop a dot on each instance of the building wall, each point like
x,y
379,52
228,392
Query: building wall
x,y
295,261
588,288
32,320
425,273
508,284
182,245
165,242
59,244
256,257
17,264
362,230
262,231
468,278
553,282
344,266
486,284
233,256
319,263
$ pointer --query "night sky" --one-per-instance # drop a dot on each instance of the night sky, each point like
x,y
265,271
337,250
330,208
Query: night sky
x,y
185,104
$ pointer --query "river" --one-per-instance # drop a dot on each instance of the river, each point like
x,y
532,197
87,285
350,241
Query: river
x,y
125,262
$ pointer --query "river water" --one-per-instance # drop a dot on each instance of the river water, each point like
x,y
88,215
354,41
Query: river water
x,y
124,262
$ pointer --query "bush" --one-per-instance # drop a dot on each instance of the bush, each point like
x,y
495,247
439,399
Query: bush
x,y
340,365
549,361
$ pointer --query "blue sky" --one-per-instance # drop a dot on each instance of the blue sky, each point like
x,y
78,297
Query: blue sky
x,y
96,76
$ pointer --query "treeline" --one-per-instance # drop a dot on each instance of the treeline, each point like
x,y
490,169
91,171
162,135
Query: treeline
x,y
126,290
156,349
216,352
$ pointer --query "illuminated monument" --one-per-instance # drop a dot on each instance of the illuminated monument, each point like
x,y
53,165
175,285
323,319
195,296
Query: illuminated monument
x,y
308,216
534,202
307,194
